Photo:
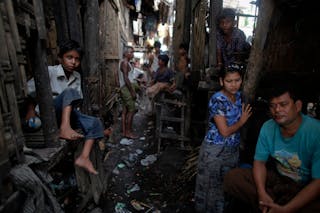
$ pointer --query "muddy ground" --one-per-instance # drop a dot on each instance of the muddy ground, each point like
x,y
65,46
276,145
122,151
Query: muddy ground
x,y
160,184
155,185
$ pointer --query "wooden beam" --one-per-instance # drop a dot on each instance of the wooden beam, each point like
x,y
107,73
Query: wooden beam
x,y
91,49
257,59
215,8
60,17
42,82
40,19
187,22
13,25
178,27
73,22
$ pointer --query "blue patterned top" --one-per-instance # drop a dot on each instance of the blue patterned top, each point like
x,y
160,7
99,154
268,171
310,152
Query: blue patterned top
x,y
219,104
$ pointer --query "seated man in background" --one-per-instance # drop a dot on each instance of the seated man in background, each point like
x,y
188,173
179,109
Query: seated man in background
x,y
290,142
65,84
163,79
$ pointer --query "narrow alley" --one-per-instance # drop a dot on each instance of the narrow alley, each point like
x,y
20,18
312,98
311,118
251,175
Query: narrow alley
x,y
143,179
158,106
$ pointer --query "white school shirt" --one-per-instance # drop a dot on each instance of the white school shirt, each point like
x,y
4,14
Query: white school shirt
x,y
59,82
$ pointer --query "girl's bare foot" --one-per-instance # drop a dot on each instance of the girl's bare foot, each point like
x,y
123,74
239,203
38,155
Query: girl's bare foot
x,y
69,134
86,164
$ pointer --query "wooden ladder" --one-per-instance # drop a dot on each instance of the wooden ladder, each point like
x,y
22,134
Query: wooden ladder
x,y
164,120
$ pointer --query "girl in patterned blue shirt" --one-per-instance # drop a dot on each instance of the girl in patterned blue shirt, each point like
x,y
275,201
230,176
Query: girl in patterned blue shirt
x,y
220,149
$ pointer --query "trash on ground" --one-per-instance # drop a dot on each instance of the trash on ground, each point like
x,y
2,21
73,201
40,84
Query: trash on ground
x,y
136,205
127,163
116,171
121,165
150,159
126,141
107,155
102,144
134,188
139,151
121,208
133,157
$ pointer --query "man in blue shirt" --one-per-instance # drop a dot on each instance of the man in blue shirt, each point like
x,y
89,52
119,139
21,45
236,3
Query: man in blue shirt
x,y
291,141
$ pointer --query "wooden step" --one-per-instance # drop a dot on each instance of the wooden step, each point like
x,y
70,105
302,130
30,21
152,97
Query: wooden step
x,y
173,136
169,101
172,119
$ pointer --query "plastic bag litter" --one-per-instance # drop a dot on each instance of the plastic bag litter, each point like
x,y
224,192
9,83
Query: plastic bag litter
x,y
121,208
126,141
150,159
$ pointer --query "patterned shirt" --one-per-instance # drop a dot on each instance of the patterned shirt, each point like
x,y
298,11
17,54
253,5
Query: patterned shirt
x,y
219,104
238,44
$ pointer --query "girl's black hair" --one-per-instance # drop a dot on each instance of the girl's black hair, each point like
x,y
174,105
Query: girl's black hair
x,y
69,45
232,68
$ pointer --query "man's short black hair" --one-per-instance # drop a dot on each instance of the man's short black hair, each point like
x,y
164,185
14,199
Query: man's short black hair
x,y
227,13
164,58
69,45
157,44
281,86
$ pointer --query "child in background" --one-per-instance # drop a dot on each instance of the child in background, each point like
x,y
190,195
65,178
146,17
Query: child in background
x,y
231,41
220,148
65,84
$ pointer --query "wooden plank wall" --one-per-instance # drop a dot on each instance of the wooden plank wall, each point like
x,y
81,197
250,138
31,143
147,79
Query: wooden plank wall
x,y
199,8
12,87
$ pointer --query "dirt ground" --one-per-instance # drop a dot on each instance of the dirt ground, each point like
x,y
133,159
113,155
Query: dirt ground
x,y
139,185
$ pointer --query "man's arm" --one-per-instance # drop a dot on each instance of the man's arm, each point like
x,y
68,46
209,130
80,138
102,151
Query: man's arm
x,y
260,177
309,193
125,69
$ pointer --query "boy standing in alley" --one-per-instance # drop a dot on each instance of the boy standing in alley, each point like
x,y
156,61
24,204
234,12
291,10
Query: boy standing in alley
x,y
65,84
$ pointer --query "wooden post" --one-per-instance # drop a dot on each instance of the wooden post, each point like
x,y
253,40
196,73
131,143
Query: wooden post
x,y
179,26
199,8
41,78
187,22
73,22
91,44
60,17
215,8
11,126
110,53
257,59
14,35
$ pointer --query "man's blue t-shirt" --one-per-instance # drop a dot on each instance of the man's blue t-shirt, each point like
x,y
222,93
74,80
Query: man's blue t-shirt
x,y
297,157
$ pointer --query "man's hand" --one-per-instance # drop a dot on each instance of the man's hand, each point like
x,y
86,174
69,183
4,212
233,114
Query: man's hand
x,y
264,201
272,207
